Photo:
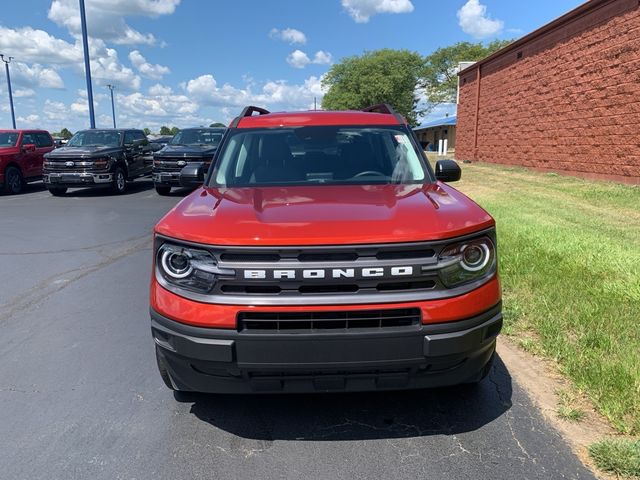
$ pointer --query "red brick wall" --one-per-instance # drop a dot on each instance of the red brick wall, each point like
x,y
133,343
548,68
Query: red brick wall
x,y
570,103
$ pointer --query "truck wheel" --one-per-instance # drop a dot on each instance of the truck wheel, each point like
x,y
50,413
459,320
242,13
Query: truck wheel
x,y
119,181
57,191
164,373
163,190
13,181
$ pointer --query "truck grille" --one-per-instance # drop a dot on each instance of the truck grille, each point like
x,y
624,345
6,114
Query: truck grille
x,y
171,164
59,165
314,322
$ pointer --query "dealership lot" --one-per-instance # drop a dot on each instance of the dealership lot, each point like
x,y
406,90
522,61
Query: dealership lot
x,y
80,395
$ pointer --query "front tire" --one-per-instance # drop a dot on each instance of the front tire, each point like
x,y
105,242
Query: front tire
x,y
13,181
163,190
57,191
119,181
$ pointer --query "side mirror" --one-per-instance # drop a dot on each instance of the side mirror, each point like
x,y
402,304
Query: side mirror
x,y
155,147
29,147
192,176
448,171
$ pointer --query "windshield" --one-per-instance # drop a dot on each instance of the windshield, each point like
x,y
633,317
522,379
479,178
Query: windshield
x,y
330,155
8,139
89,138
197,136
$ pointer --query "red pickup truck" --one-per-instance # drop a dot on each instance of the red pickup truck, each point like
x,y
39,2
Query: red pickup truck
x,y
21,157
321,252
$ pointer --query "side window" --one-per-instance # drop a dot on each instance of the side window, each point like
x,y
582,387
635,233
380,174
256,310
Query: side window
x,y
129,137
28,138
43,140
139,135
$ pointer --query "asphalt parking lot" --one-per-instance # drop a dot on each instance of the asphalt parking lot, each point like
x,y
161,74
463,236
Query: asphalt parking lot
x,y
80,396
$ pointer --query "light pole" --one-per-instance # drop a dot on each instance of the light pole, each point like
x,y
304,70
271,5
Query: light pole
x,y
6,66
87,66
113,108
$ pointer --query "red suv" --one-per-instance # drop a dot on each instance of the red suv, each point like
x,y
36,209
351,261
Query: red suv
x,y
323,253
21,157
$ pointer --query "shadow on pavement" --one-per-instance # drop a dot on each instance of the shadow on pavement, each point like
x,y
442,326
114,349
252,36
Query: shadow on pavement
x,y
136,186
358,416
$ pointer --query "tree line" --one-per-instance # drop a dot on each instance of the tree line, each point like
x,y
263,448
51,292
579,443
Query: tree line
x,y
400,78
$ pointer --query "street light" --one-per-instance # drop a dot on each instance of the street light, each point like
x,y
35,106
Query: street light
x,y
87,66
6,66
113,108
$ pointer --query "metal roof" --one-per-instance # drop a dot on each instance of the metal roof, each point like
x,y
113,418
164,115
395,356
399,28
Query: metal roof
x,y
441,122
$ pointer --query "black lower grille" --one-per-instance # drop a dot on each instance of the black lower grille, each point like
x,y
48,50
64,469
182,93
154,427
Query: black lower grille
x,y
313,322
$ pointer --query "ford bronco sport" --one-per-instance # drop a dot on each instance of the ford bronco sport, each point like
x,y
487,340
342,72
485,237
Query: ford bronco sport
x,y
321,252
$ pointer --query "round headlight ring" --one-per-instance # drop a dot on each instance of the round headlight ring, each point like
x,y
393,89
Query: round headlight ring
x,y
475,256
176,264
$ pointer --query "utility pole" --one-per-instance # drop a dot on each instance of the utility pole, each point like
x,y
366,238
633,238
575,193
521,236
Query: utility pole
x,y
6,66
113,108
87,66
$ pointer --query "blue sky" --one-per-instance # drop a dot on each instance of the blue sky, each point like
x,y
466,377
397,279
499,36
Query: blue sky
x,y
191,62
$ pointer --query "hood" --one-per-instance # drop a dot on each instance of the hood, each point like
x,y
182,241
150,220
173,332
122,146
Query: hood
x,y
323,215
174,151
93,151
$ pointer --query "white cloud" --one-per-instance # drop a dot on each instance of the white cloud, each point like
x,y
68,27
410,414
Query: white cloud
x,y
105,18
38,46
473,19
290,35
298,59
322,58
157,89
145,68
35,75
106,67
362,10
24,93
29,119
273,94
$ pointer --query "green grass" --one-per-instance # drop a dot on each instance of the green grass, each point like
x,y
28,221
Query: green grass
x,y
566,407
570,268
621,457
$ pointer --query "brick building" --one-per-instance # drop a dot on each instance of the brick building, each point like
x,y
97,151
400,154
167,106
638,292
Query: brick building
x,y
563,98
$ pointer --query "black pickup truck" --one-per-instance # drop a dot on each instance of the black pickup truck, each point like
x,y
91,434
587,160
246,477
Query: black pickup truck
x,y
98,158
188,146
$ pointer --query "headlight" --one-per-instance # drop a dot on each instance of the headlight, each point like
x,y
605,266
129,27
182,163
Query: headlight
x,y
186,267
467,261
101,162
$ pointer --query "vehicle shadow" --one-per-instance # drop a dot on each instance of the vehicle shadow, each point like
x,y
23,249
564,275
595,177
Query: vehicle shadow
x,y
133,187
358,416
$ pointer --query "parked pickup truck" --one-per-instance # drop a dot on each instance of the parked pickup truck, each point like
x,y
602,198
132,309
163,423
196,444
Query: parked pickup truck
x,y
21,157
321,252
98,158
189,145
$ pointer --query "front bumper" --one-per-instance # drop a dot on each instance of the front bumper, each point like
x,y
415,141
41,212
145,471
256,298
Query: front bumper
x,y
75,179
227,361
166,178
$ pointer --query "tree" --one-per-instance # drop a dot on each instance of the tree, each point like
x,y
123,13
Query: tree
x,y
174,130
164,130
146,131
440,75
217,124
65,133
382,76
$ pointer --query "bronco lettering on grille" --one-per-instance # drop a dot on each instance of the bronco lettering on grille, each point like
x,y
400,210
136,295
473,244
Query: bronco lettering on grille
x,y
320,273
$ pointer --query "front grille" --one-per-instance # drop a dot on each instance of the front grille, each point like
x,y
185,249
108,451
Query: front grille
x,y
59,165
318,322
171,164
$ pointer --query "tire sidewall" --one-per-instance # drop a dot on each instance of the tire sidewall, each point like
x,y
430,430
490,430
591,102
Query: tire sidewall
x,y
14,183
119,187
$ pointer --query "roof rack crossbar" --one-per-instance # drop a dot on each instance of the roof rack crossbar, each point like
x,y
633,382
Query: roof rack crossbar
x,y
247,112
384,108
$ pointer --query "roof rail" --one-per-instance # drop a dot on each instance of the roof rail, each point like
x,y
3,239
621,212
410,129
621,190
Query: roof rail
x,y
385,108
247,112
